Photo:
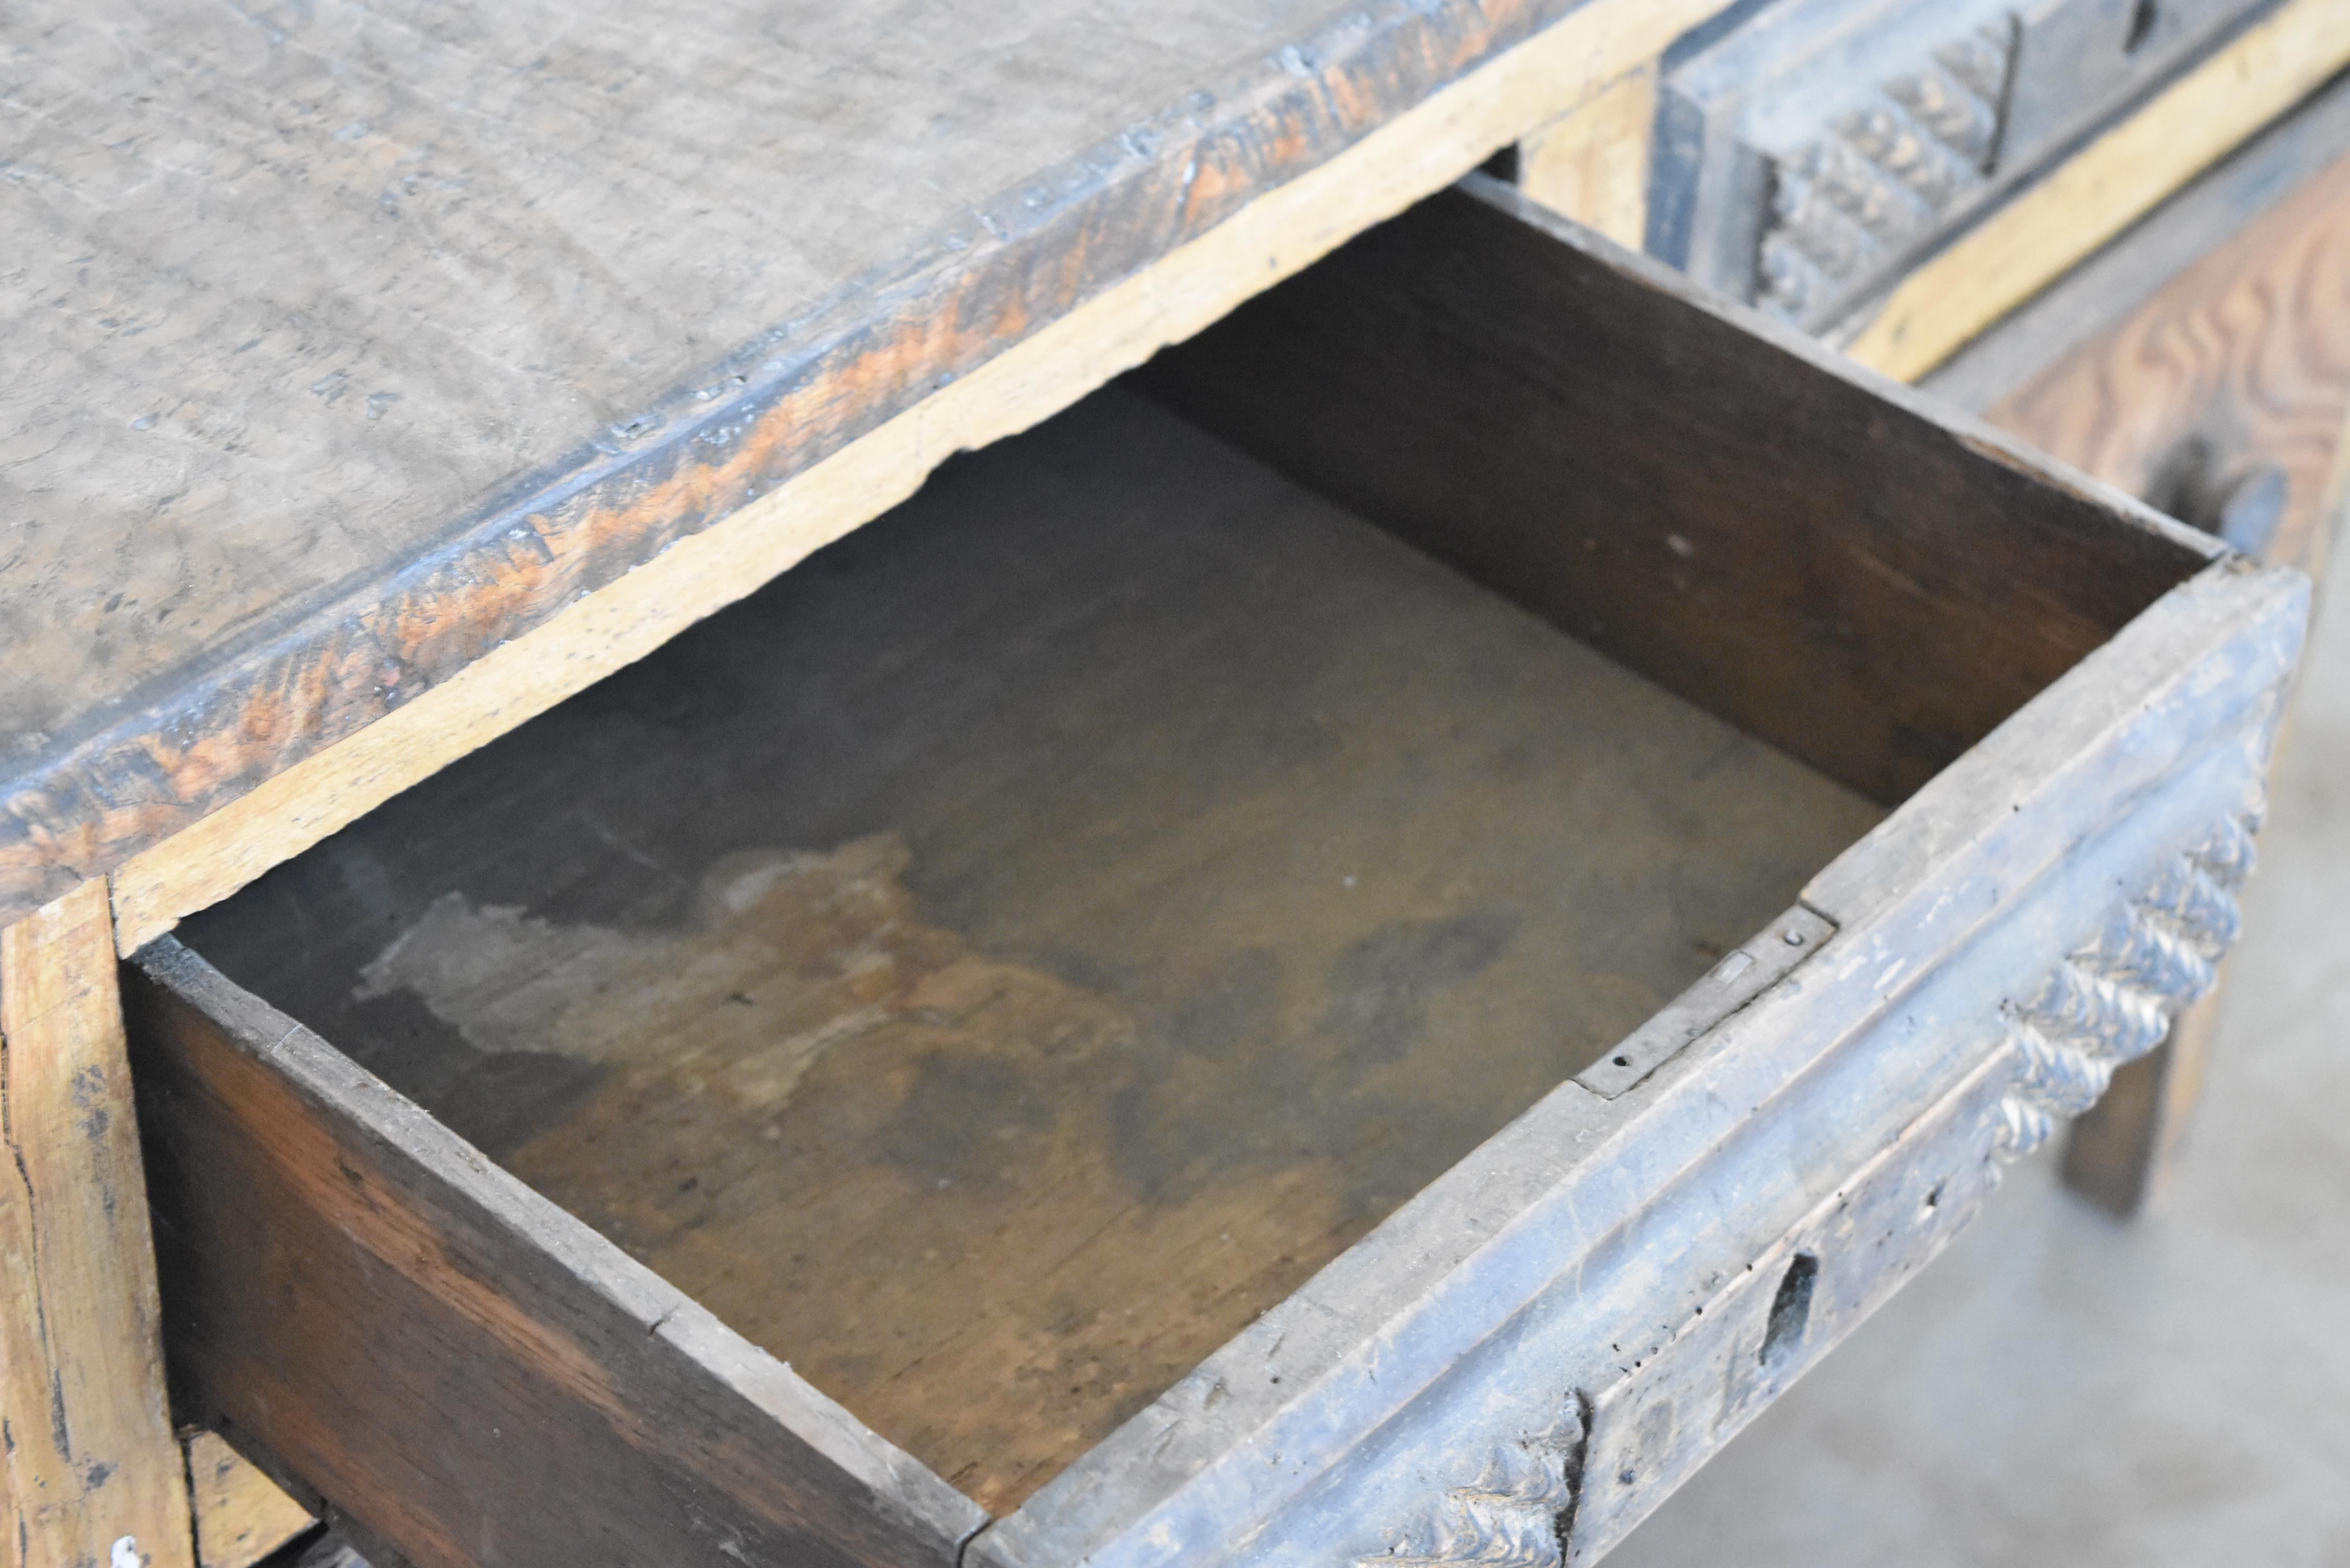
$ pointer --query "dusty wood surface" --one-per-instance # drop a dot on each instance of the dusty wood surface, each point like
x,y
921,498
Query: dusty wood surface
x,y
242,1516
1831,564
997,962
88,1457
393,329
469,1372
2100,190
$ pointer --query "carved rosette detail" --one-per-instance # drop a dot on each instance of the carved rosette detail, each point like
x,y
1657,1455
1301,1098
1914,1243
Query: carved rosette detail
x,y
1886,171
2113,1000
1517,1513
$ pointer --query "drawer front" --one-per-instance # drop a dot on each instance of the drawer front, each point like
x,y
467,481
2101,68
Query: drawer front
x,y
1526,1359
2065,699
462,1367
1808,158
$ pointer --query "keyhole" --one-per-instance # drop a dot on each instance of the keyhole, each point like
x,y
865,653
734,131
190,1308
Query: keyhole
x,y
1791,1309
2143,16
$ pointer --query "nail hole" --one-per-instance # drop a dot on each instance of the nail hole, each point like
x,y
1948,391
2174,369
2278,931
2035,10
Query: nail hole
x,y
1791,1309
1623,1060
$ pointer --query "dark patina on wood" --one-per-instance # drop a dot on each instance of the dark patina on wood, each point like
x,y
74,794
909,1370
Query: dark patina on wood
x,y
998,960
1810,551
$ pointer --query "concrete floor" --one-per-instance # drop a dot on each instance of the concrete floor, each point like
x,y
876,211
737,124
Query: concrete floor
x,y
2063,1390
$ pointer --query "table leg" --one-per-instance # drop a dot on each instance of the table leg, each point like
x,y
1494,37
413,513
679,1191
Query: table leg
x,y
90,1474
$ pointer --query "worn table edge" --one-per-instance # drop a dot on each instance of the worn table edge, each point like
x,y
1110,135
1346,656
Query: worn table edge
x,y
1313,144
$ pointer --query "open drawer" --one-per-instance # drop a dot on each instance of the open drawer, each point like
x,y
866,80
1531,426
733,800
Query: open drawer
x,y
1124,1014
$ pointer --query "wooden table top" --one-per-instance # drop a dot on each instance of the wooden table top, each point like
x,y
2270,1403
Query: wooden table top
x,y
349,342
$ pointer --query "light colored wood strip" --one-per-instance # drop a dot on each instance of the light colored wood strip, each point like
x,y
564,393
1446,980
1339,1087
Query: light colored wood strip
x,y
1416,153
1592,163
2097,193
93,1471
242,1516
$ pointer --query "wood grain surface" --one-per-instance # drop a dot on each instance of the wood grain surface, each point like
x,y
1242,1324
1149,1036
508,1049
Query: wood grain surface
x,y
361,340
2116,282
1592,164
994,963
242,1516
2239,364
468,1372
90,1474
1711,499
2100,190
2233,376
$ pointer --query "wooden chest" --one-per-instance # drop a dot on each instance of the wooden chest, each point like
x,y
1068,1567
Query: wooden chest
x,y
1352,951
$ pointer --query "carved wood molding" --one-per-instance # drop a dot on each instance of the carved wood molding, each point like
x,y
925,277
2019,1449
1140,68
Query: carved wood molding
x,y
1517,1514
1884,172
2114,999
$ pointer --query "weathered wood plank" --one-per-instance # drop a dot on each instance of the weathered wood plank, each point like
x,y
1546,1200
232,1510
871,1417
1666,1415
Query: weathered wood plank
x,y
1053,230
242,1516
2113,285
1431,1393
469,1372
90,1474
2228,388
1591,164
2098,191
1821,558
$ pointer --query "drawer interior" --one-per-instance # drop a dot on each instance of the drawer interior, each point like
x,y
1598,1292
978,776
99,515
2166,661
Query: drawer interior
x,y
1000,959
992,963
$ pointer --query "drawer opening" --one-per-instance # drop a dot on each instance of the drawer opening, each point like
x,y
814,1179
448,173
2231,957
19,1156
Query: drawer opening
x,y
991,964
996,962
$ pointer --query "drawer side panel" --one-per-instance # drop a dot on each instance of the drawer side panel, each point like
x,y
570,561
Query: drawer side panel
x,y
1841,568
469,1372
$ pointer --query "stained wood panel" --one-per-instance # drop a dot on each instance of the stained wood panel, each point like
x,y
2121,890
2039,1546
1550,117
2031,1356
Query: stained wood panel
x,y
996,962
1826,561
468,1372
